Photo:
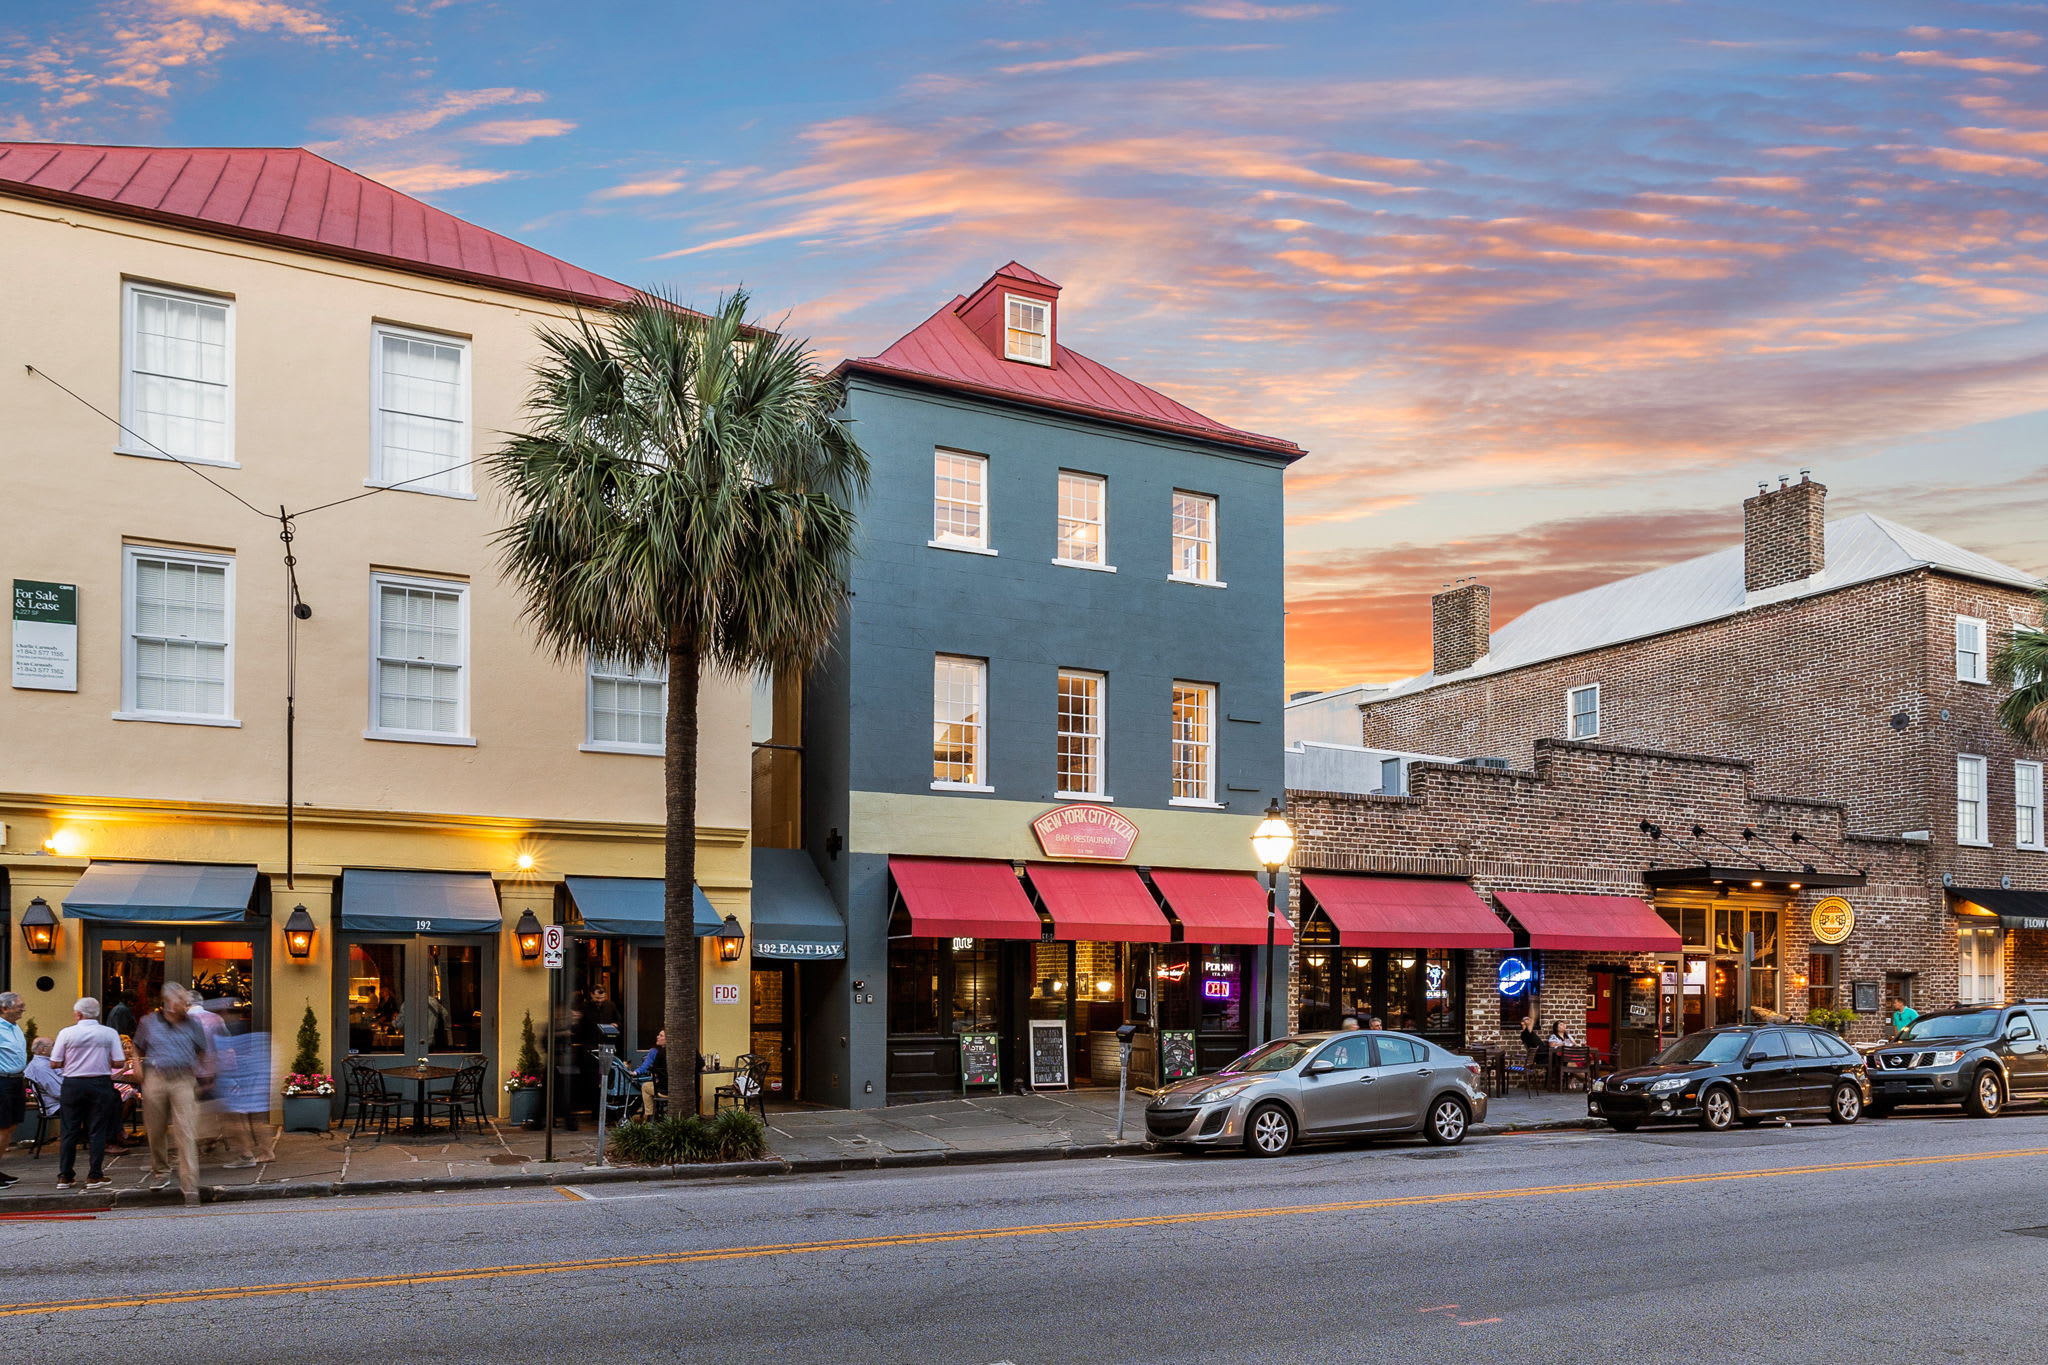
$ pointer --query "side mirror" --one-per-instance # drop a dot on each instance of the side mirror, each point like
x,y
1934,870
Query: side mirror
x,y
1320,1065
2017,1030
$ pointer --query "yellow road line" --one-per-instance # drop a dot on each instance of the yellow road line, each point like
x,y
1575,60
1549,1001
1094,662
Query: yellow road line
x,y
910,1239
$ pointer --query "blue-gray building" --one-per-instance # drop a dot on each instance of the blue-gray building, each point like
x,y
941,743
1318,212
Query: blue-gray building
x,y
1033,761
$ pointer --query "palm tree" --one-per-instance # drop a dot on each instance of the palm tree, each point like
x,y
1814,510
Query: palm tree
x,y
2021,663
684,495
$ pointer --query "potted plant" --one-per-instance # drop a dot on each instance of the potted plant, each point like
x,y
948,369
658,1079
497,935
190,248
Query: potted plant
x,y
1839,1020
308,1091
524,1082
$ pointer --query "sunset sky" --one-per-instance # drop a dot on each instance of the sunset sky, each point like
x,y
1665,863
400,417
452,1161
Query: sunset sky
x,y
1545,288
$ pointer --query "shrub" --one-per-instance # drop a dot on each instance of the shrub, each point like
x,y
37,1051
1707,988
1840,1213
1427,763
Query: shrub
x,y
680,1139
308,1061
528,1063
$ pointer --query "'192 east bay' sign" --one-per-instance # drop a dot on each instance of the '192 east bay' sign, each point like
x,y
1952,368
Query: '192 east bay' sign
x,y
1093,832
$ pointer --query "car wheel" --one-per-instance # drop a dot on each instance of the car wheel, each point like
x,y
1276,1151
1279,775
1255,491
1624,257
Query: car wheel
x,y
1987,1096
1624,1125
1848,1105
1269,1131
1717,1109
1448,1121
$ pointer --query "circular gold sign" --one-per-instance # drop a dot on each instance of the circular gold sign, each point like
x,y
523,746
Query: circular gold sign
x,y
1833,919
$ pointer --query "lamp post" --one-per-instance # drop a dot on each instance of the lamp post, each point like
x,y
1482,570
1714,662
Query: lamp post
x,y
1272,845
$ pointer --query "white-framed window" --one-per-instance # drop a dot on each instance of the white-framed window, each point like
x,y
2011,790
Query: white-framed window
x,y
959,500
1970,825
1582,712
1194,744
419,643
1027,329
177,375
1194,538
2026,804
419,411
2021,677
959,723
1980,964
1083,699
1083,521
627,706
1970,651
178,654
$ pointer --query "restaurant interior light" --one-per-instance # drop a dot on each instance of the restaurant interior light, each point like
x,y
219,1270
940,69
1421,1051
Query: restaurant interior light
x,y
527,931
298,933
731,939
1273,840
39,927
1105,986
1756,886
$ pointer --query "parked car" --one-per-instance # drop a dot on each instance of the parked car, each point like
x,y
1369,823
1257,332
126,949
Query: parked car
x,y
1323,1085
1980,1058
1725,1076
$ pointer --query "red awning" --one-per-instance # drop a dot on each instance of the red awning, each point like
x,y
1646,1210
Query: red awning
x,y
1614,924
963,898
1099,904
1403,912
1219,907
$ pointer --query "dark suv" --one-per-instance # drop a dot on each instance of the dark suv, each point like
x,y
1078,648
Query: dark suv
x,y
1980,1057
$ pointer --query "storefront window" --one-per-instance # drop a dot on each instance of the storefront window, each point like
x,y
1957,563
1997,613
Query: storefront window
x,y
650,990
224,975
1318,1002
1404,988
974,987
1052,971
376,997
131,975
455,995
1820,981
1221,969
1440,1014
914,986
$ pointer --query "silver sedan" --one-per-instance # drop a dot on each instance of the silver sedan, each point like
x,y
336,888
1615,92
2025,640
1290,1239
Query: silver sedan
x,y
1323,1085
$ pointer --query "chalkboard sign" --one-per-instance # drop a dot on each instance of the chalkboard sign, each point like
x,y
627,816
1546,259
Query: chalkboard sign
x,y
1048,1054
1864,996
1176,1054
979,1063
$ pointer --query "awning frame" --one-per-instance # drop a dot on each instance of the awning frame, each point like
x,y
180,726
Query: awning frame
x,y
255,908
706,920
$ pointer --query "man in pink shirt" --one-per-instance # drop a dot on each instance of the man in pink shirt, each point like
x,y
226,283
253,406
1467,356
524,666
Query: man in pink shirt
x,y
86,1053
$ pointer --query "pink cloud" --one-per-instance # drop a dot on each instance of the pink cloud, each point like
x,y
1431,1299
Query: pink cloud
x,y
653,187
1245,10
512,132
1973,163
1987,65
429,177
2003,37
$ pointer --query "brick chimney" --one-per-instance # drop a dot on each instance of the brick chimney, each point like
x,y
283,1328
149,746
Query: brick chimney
x,y
1461,626
1784,533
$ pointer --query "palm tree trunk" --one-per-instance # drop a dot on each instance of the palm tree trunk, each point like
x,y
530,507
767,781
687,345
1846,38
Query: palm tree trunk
x,y
681,963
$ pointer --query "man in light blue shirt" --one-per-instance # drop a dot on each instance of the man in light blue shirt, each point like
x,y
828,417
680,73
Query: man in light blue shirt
x,y
13,1062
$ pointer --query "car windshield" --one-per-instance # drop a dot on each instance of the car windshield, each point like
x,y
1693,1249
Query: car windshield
x,y
1705,1047
1278,1055
1981,1024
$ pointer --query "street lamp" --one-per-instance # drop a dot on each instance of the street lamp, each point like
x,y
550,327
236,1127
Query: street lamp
x,y
1272,845
298,933
731,938
39,927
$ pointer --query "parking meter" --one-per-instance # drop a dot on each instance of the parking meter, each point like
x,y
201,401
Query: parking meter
x,y
1124,1034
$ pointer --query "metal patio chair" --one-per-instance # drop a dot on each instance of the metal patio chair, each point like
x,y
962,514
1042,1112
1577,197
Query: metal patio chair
x,y
371,1093
749,1088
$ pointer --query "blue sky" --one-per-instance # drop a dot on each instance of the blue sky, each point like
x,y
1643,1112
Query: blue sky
x,y
1544,287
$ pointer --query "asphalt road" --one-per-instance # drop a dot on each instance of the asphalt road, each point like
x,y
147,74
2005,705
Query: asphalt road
x,y
1894,1241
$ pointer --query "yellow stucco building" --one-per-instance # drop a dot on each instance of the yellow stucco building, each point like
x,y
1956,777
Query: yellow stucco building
x,y
306,340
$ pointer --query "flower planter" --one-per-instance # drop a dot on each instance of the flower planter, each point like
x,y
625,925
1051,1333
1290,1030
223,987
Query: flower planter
x,y
526,1106
307,1113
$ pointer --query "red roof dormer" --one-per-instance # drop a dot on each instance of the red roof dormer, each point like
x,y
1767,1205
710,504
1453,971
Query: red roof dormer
x,y
1016,315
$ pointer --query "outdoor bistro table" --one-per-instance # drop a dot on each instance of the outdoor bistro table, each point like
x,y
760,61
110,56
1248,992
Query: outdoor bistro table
x,y
420,1076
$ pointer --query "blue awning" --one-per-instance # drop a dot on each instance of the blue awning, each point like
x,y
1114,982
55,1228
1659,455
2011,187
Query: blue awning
x,y
383,901
794,915
630,907
205,893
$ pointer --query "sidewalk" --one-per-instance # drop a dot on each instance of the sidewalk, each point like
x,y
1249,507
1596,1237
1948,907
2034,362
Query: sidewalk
x,y
964,1131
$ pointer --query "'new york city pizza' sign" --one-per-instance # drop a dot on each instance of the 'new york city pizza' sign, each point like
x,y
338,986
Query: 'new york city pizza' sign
x,y
1096,833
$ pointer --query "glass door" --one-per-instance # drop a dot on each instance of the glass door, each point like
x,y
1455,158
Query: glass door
x,y
419,996
225,965
774,1026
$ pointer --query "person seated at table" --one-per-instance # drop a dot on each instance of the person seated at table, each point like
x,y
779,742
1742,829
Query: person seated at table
x,y
47,1080
1559,1036
651,1075
1531,1039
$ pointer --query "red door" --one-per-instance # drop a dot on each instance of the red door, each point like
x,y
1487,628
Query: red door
x,y
1600,1015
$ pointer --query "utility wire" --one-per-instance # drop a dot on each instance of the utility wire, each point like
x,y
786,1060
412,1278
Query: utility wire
x,y
387,487
124,427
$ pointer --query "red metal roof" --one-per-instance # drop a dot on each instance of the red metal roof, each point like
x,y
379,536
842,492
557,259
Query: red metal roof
x,y
963,898
288,196
1219,907
1099,904
1402,912
1612,924
943,350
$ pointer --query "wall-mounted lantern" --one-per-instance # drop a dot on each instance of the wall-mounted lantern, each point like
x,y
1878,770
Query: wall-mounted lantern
x,y
528,933
298,933
39,927
731,939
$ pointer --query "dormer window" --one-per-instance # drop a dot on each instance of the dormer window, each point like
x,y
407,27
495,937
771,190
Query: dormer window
x,y
1027,329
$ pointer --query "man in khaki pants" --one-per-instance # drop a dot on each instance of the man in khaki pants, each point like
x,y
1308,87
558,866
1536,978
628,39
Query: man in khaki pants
x,y
177,1056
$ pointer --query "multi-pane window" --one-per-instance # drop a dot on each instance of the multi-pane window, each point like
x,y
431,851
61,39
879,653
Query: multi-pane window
x,y
1584,711
1194,742
1083,498
628,704
959,725
960,500
1081,733
2021,677
1194,536
1970,824
1980,964
176,386
421,412
1970,650
180,625
2026,804
1027,329
419,634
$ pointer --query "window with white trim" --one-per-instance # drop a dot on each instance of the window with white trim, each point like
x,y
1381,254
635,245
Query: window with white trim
x,y
1194,743
960,500
419,633
1970,663
2026,804
2021,677
1980,964
1582,711
1194,537
177,375
1084,501
1970,825
178,654
628,705
1027,329
1081,732
959,725
420,411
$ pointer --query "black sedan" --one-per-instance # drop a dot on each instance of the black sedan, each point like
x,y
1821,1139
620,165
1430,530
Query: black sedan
x,y
1742,1075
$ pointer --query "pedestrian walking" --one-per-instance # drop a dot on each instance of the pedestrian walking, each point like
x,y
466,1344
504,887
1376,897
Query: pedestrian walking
x,y
13,1074
244,1091
1903,1016
176,1057
86,1051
